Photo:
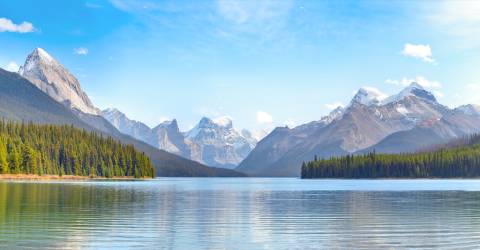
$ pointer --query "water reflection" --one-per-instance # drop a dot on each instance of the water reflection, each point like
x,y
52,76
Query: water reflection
x,y
235,214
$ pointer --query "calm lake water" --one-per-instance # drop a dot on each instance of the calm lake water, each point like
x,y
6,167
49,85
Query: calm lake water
x,y
237,213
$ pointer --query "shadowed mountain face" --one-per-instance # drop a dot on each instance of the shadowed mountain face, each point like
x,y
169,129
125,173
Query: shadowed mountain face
x,y
22,100
408,121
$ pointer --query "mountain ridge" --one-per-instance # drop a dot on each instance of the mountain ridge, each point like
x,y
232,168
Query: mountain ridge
x,y
214,142
371,121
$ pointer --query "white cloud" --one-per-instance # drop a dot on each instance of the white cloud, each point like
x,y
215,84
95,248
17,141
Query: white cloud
x,y
333,105
6,25
420,51
264,117
11,66
260,134
80,51
379,95
422,81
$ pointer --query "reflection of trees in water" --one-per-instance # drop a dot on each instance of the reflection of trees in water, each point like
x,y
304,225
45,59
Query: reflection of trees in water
x,y
133,214
41,214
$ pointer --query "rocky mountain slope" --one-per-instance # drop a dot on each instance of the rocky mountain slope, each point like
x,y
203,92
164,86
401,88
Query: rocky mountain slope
x,y
404,122
214,142
52,78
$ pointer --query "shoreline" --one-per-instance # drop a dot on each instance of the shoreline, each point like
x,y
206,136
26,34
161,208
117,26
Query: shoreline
x,y
33,177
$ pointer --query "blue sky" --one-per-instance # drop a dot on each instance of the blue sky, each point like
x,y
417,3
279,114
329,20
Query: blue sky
x,y
263,63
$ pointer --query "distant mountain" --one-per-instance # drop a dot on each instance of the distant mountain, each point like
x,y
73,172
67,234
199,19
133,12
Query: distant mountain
x,y
213,142
216,143
167,136
43,102
404,122
126,126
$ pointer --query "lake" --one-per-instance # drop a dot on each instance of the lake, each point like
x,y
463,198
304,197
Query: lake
x,y
241,213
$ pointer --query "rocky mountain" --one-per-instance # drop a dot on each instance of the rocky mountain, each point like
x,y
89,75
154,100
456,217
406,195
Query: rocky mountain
x,y
52,78
408,121
216,143
133,128
213,142
20,100
167,136
45,92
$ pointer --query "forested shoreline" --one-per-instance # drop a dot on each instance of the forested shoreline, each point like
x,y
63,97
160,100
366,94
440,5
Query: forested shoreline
x,y
457,160
27,148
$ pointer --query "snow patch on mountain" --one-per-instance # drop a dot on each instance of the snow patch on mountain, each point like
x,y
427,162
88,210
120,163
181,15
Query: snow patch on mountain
x,y
369,96
212,141
216,143
224,121
470,109
414,89
51,77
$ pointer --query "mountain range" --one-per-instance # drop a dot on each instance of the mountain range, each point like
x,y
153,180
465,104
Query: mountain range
x,y
44,91
214,142
405,122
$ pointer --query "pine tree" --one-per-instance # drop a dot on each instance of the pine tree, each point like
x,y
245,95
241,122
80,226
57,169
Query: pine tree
x,y
15,160
4,168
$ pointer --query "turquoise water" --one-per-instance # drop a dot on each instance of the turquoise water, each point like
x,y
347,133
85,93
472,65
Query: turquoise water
x,y
237,213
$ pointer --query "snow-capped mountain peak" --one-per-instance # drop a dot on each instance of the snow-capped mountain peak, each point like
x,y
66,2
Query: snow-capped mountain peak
x,y
51,77
38,55
215,142
414,89
369,96
223,121
43,54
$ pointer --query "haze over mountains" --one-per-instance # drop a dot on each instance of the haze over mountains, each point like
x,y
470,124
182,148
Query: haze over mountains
x,y
405,122
214,142
45,92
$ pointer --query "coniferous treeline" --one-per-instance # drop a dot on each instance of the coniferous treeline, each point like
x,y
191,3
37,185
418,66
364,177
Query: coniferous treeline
x,y
65,150
462,160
